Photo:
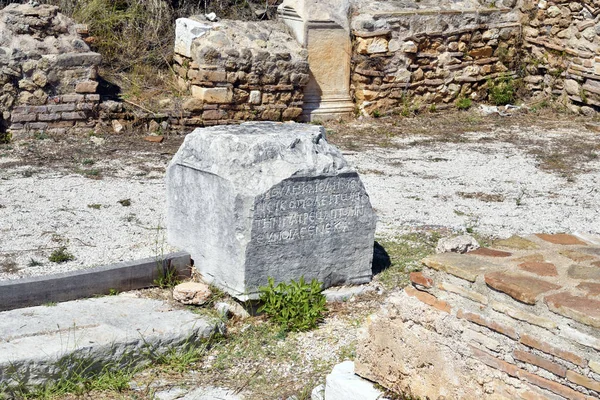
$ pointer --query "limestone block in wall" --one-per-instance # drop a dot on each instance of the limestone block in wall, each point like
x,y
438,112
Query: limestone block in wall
x,y
261,200
186,30
218,95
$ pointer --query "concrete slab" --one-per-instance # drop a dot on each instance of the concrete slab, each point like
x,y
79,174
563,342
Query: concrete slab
x,y
41,343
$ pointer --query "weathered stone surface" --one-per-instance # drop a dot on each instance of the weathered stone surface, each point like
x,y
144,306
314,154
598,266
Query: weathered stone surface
x,y
186,30
195,293
460,265
539,268
343,384
584,272
516,243
519,286
484,251
560,238
263,200
592,289
582,309
219,95
457,244
51,340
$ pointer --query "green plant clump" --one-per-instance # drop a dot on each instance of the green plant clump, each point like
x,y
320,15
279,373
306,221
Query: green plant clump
x,y
61,255
463,103
502,90
296,306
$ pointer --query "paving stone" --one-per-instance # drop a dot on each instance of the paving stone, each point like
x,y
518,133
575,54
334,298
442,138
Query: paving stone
x,y
484,251
460,265
592,289
539,268
516,243
584,272
576,255
537,257
42,342
591,250
582,309
561,238
596,264
518,286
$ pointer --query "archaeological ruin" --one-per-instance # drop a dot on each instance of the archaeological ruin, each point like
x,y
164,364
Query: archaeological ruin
x,y
319,60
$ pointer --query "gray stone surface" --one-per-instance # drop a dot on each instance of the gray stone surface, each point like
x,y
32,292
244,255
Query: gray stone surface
x,y
458,244
42,342
263,200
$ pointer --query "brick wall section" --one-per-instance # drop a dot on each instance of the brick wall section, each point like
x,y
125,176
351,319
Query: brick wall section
x,y
431,57
49,82
254,80
562,49
540,328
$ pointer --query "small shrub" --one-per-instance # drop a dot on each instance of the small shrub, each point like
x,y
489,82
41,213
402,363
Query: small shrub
x,y
61,255
463,103
502,90
296,306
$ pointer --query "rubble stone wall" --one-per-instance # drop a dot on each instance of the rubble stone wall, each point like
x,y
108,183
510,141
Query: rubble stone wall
x,y
562,49
48,74
520,321
422,56
239,71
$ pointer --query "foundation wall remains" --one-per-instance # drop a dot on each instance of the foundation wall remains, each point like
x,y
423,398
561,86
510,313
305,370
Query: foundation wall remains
x,y
521,321
561,46
426,56
48,74
240,71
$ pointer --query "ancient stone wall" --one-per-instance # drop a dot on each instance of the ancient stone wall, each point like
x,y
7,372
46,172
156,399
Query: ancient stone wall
x,y
403,58
48,74
521,321
561,49
236,71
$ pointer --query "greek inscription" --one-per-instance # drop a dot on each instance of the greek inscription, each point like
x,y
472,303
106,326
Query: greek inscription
x,y
308,210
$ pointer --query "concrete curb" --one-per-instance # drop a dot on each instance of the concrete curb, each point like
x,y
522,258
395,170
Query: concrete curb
x,y
74,285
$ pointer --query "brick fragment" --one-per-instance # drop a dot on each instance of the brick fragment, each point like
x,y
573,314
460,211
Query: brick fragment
x,y
23,117
56,108
154,139
519,287
539,268
494,362
541,362
86,87
581,309
487,252
592,289
72,98
49,117
561,238
417,278
583,381
535,343
428,299
493,325
554,387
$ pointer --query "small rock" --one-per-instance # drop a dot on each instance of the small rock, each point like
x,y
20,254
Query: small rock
x,y
98,141
154,139
117,126
587,111
345,293
223,309
239,311
195,293
457,244
212,17
154,127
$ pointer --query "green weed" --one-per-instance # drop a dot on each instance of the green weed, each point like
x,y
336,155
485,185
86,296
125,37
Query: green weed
x,y
295,306
463,103
61,255
502,90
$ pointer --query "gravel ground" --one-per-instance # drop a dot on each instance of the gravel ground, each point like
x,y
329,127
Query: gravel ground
x,y
492,181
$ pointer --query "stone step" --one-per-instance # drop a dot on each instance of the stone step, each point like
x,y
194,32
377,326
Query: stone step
x,y
40,343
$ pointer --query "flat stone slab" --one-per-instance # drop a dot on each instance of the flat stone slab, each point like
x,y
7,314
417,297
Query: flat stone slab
x,y
519,287
582,309
40,343
460,265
